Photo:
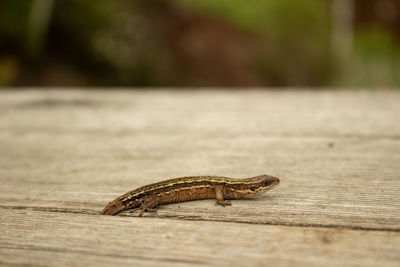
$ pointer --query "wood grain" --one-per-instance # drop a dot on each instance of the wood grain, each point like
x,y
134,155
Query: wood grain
x,y
75,239
67,153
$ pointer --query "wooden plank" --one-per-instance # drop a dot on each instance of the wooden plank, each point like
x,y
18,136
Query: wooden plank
x,y
48,238
337,153
231,113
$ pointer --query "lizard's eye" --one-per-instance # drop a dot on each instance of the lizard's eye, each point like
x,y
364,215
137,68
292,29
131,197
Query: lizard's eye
x,y
267,183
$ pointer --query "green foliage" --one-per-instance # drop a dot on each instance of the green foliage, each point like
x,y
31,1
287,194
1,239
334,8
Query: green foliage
x,y
14,20
377,59
375,43
276,18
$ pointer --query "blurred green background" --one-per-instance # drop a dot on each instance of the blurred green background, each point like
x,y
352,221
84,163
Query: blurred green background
x,y
200,43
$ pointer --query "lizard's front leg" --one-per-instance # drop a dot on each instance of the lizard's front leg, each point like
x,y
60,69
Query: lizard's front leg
x,y
219,196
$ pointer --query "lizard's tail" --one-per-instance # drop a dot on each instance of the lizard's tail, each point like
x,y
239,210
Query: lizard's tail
x,y
113,207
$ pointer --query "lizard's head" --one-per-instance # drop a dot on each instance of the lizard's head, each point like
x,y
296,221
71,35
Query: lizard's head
x,y
263,183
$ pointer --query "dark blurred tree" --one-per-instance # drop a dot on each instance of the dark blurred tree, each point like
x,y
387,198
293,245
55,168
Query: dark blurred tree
x,y
384,14
13,29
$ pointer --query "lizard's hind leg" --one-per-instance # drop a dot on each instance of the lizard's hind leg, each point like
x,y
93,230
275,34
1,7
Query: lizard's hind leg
x,y
147,204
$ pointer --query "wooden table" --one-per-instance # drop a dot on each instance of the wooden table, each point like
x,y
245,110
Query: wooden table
x,y
64,154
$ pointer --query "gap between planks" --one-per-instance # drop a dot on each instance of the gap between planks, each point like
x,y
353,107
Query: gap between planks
x,y
126,214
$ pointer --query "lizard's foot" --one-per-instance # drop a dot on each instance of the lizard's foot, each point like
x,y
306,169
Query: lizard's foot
x,y
224,203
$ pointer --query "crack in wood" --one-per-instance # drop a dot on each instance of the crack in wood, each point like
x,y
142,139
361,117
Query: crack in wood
x,y
198,218
86,253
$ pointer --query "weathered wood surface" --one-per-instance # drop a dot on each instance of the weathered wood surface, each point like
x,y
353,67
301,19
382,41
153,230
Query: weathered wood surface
x,y
65,154
63,238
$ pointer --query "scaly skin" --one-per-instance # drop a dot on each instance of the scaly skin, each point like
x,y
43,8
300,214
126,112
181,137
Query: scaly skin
x,y
147,198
